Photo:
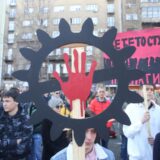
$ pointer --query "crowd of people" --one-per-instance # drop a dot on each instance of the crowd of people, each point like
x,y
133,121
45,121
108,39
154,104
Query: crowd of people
x,y
21,141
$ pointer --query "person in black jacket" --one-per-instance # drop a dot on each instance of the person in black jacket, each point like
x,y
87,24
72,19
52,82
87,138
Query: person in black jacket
x,y
156,148
50,147
15,132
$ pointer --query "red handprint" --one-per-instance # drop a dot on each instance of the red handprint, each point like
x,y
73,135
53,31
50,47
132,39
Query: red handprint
x,y
79,84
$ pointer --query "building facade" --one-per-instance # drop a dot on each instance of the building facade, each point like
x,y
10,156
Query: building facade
x,y
23,18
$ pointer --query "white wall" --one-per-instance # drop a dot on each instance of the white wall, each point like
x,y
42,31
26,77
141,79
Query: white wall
x,y
2,24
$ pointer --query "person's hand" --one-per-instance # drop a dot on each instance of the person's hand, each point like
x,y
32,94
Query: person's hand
x,y
151,140
79,83
19,141
146,117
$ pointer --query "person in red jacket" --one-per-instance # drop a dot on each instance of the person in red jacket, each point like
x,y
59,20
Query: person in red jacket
x,y
98,105
100,102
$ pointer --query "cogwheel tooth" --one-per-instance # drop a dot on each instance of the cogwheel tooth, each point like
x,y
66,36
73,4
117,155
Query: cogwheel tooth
x,y
21,75
103,132
64,27
79,137
28,53
43,37
88,27
111,33
133,97
134,74
124,53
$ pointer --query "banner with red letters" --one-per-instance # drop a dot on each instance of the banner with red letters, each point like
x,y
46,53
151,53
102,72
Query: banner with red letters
x,y
145,58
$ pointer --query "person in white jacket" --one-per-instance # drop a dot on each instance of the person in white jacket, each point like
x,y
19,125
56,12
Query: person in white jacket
x,y
140,143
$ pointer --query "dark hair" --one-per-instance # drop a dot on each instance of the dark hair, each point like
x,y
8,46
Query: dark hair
x,y
11,93
87,115
14,89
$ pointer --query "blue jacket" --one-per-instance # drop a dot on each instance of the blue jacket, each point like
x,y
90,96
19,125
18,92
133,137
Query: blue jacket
x,y
101,152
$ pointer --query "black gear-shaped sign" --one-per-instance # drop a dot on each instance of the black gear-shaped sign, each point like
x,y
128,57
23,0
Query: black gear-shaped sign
x,y
119,71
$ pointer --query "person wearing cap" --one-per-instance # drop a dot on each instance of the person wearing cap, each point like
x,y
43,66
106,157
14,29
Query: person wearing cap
x,y
140,142
57,104
52,147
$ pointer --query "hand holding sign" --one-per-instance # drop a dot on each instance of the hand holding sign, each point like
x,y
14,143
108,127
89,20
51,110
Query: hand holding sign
x,y
78,84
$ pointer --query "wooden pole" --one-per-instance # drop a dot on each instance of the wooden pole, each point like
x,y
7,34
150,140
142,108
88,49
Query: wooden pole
x,y
146,108
78,152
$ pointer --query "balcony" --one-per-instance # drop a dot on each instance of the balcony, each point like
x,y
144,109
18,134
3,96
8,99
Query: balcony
x,y
55,58
8,59
13,3
7,76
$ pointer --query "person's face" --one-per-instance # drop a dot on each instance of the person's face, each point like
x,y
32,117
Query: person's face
x,y
57,94
90,139
150,92
108,96
9,104
101,93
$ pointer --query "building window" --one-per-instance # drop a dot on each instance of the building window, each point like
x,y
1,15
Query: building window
x,y
110,8
28,10
95,20
150,0
27,36
132,16
151,12
10,69
43,10
58,68
27,23
156,12
75,20
50,68
92,7
12,2
75,8
131,29
51,53
56,21
55,34
66,50
11,38
12,13
58,52
29,0
44,22
144,12
110,21
88,66
89,50
64,68
11,26
95,33
58,9
27,66
10,54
